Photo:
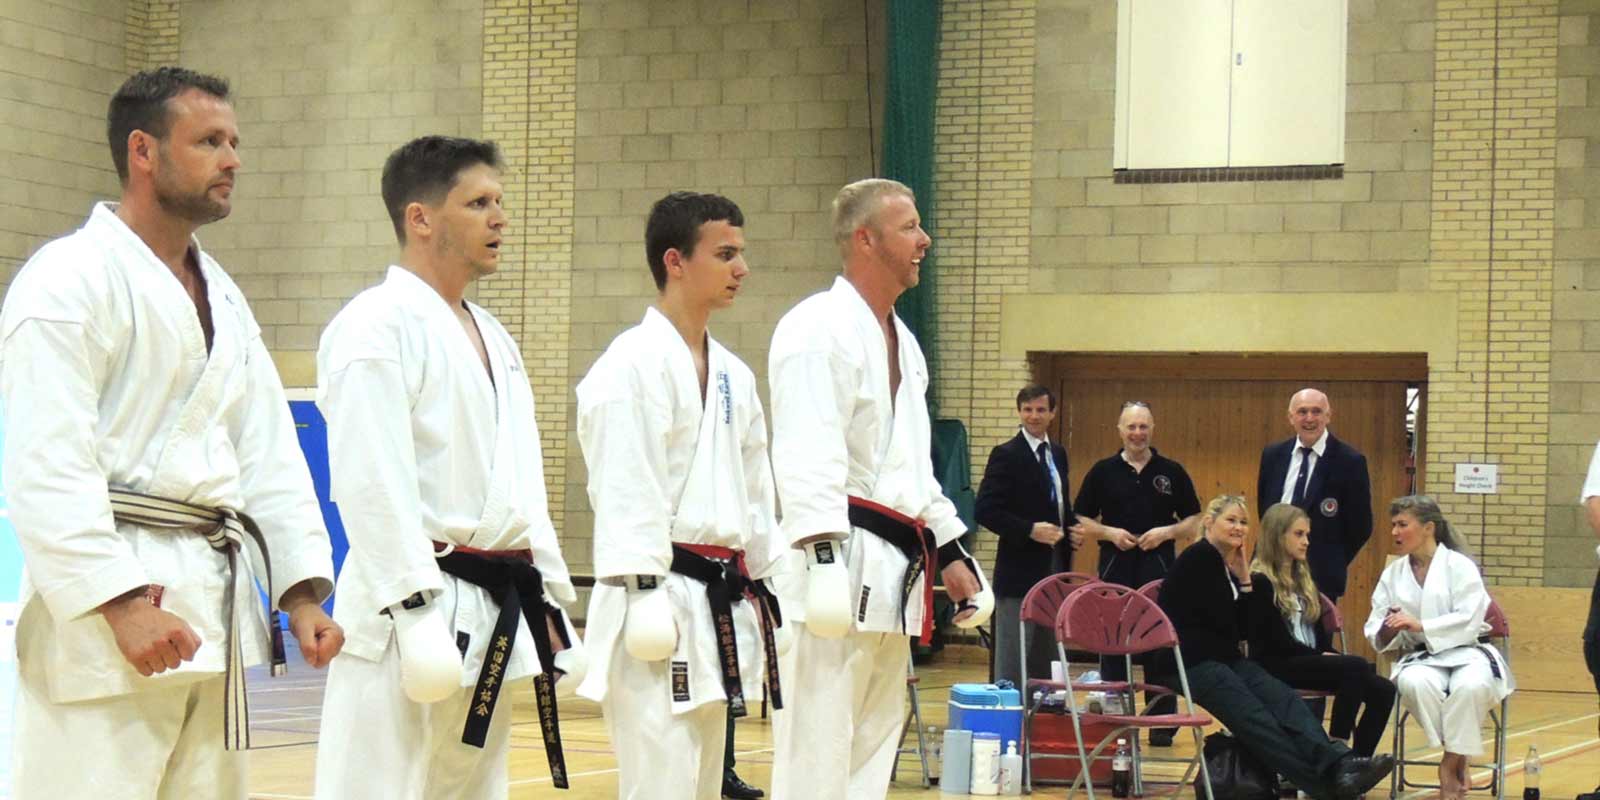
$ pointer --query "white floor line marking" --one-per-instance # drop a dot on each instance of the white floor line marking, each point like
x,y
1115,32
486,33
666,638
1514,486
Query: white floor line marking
x,y
546,779
1510,768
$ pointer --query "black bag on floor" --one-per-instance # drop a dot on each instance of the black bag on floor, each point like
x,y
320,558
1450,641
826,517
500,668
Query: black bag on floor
x,y
1235,774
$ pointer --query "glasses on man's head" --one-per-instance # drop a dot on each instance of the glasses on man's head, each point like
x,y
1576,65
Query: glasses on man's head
x,y
1135,404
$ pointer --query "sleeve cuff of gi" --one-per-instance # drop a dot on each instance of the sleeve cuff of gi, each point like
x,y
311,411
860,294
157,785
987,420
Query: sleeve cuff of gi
x,y
82,596
399,587
289,572
803,527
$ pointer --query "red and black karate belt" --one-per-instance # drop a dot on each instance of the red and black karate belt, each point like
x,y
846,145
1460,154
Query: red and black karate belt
x,y
515,583
915,539
727,581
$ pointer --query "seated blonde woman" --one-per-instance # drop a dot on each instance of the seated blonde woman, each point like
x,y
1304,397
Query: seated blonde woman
x,y
1207,597
1429,610
1286,639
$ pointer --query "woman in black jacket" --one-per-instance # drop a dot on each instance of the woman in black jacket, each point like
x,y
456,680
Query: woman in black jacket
x,y
1285,638
1207,597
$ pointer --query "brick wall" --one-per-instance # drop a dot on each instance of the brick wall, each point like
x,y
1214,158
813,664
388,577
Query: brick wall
x,y
1491,242
985,175
529,100
59,64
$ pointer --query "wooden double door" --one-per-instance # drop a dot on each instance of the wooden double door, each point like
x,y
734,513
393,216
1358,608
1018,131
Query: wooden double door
x,y
1215,413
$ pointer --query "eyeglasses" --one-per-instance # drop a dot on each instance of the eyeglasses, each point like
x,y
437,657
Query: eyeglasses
x,y
1135,404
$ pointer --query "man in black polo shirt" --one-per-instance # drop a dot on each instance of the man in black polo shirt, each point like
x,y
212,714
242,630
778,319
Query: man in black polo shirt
x,y
1137,503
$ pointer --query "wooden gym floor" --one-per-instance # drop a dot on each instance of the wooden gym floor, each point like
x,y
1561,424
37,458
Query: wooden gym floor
x,y
285,711
1555,708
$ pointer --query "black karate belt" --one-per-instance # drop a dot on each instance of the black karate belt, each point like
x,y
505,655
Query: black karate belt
x,y
1420,653
515,583
922,551
225,530
723,572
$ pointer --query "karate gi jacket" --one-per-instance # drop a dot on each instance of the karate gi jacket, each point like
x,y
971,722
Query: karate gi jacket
x,y
837,433
424,447
666,467
105,380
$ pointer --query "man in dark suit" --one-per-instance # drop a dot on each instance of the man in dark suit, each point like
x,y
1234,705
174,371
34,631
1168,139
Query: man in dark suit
x,y
1022,498
1325,477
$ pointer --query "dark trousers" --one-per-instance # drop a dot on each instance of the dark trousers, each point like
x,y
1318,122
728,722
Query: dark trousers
x,y
1354,682
1006,655
727,751
1135,568
1270,720
1591,634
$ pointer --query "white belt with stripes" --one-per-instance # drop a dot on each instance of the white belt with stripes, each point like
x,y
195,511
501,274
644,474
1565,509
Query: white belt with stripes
x,y
225,530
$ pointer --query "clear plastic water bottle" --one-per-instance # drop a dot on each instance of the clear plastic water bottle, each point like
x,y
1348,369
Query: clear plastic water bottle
x,y
935,740
1122,770
1530,774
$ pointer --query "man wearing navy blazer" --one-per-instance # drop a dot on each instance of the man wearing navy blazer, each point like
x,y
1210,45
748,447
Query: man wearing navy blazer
x,y
1022,498
1325,477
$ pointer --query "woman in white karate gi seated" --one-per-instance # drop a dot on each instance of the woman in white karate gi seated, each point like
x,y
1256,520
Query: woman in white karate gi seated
x,y
1429,609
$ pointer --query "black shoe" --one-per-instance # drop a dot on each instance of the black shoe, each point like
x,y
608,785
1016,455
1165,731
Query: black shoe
x,y
735,787
1357,774
1594,795
1160,738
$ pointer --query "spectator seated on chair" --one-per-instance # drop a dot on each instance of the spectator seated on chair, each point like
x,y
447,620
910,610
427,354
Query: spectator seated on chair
x,y
1430,609
1285,637
1207,595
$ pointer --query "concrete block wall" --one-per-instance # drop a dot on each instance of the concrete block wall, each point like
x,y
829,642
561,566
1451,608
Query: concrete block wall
x,y
764,101
324,92
59,64
1574,420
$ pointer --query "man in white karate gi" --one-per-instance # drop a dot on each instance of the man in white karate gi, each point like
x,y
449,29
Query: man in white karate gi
x,y
153,476
681,624
851,454
455,582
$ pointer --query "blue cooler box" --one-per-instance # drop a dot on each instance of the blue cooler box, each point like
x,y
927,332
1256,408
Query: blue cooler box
x,y
980,707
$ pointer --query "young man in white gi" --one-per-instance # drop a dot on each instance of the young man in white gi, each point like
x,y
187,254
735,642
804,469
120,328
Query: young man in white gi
x,y
455,581
851,453
680,623
153,476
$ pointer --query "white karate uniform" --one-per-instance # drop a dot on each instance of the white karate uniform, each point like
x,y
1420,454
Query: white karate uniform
x,y
105,381
666,467
1447,679
837,433
423,447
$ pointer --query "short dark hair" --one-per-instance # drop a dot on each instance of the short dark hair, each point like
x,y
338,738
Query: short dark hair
x,y
675,222
425,170
141,105
1034,391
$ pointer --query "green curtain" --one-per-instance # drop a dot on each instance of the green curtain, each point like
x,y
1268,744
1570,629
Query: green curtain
x,y
913,75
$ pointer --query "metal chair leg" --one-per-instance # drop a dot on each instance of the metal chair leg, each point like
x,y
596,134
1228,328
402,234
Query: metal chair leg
x,y
922,741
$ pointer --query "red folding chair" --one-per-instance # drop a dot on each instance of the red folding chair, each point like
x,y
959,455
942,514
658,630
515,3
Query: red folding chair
x,y
1111,620
1039,607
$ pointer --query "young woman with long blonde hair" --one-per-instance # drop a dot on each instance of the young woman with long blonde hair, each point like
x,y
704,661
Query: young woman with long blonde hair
x,y
1286,639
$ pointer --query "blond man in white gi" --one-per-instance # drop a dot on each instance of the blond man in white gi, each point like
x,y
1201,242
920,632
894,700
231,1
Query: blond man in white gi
x,y
851,454
673,433
455,582
153,476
